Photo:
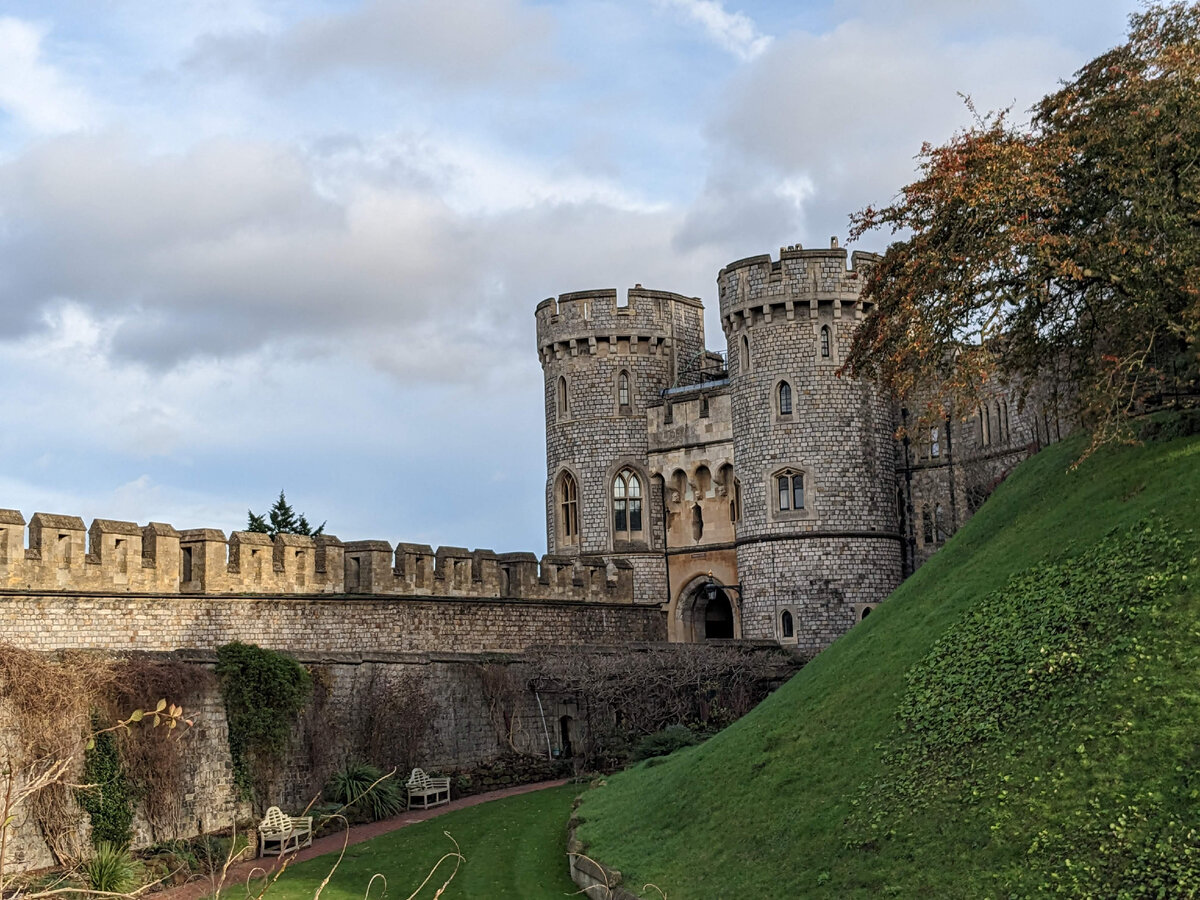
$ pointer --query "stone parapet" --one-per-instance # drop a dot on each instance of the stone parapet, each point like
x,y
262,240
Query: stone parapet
x,y
123,557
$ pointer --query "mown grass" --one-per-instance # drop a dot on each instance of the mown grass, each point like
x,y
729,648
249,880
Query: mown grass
x,y
809,795
514,848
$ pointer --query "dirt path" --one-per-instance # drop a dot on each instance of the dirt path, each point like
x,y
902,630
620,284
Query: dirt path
x,y
201,887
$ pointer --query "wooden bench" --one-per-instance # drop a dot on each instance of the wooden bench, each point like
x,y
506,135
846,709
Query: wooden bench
x,y
284,832
424,791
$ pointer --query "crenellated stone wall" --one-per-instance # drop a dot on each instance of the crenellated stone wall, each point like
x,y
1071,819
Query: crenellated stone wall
x,y
121,557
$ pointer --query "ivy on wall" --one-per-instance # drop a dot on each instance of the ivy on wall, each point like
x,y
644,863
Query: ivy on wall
x,y
263,692
106,799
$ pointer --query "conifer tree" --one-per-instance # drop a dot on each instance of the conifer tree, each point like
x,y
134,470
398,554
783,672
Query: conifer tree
x,y
281,519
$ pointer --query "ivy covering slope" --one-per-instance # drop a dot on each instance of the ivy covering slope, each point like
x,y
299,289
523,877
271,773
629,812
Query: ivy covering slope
x,y
1021,718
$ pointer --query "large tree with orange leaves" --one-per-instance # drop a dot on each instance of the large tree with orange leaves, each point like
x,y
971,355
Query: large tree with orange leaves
x,y
1070,242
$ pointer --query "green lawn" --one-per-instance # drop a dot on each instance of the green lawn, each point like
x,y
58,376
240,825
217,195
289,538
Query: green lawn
x,y
1051,735
514,848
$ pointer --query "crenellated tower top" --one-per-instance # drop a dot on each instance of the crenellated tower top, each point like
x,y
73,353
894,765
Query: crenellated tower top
x,y
799,283
578,321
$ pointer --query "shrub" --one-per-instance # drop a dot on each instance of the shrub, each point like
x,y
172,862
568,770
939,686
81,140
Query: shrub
x,y
111,870
351,786
670,739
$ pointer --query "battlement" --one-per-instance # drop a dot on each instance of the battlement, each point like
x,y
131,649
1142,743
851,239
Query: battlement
x,y
800,282
579,321
121,557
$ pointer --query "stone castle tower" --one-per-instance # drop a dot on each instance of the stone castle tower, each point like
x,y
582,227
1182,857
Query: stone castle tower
x,y
604,362
818,538
759,494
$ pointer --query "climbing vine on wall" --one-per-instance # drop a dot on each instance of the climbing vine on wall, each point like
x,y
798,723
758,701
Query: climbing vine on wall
x,y
106,798
264,692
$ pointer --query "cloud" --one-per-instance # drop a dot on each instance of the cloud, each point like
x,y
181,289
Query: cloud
x,y
842,115
240,247
32,90
453,44
734,32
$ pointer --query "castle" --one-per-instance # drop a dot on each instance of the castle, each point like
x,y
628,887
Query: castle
x,y
690,496
759,493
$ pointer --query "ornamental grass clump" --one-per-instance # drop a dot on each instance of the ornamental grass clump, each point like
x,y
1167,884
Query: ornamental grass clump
x,y
111,870
365,792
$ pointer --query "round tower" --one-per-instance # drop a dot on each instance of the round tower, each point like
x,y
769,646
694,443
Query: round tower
x,y
818,541
604,362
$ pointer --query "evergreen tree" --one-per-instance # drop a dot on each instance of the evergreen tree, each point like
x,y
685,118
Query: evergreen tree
x,y
281,519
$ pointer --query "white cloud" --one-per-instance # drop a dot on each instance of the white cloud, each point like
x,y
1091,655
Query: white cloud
x,y
31,89
460,43
734,32
831,122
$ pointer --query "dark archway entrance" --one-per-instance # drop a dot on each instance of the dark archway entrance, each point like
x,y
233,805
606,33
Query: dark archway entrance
x,y
718,618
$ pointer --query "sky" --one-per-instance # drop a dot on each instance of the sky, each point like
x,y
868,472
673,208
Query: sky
x,y
253,245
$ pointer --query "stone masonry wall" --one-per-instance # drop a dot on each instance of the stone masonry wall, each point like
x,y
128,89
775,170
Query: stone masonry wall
x,y
344,624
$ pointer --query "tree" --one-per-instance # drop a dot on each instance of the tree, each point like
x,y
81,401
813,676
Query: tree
x,y
1070,243
281,519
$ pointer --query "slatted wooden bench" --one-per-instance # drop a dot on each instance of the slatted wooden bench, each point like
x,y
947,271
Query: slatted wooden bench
x,y
424,791
284,832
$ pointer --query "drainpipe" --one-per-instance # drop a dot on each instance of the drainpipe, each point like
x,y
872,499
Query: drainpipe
x,y
666,560
910,539
950,467
545,730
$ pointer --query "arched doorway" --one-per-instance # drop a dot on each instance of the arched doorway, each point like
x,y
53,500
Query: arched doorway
x,y
718,617
705,611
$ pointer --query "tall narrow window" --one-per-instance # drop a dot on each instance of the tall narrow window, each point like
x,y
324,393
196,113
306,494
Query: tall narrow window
x,y
787,625
568,509
563,406
785,399
1001,436
935,447
745,354
627,505
926,525
825,342
623,389
1007,423
790,486
939,524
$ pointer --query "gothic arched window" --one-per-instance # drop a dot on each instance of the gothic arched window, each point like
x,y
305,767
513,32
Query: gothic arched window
x,y
787,625
627,506
623,390
568,509
745,354
825,342
563,405
785,399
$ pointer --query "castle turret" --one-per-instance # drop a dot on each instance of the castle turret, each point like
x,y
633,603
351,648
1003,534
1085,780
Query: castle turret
x,y
817,541
604,362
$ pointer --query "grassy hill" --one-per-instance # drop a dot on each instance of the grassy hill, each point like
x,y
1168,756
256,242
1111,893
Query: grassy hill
x,y
1021,717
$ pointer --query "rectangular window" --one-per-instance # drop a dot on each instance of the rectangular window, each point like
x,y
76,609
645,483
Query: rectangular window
x,y
797,492
619,515
187,564
935,448
784,492
635,515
